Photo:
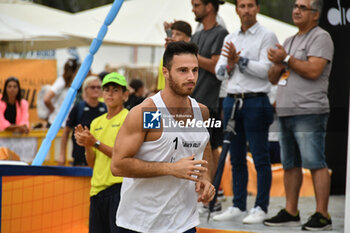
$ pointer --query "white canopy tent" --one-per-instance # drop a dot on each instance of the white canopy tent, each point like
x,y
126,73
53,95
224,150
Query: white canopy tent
x,y
19,36
140,22
26,26
15,29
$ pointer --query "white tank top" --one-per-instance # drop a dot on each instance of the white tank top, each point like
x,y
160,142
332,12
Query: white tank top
x,y
165,203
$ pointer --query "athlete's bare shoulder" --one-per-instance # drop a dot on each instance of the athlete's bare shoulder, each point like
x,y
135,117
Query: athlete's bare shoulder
x,y
205,111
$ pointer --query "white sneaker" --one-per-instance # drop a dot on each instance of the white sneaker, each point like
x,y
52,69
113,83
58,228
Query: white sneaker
x,y
256,215
230,214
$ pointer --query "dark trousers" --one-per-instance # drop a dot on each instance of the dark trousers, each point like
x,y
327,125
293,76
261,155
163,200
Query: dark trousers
x,y
103,210
275,152
252,126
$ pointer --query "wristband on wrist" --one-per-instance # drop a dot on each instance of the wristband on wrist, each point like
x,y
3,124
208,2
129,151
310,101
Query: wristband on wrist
x,y
97,144
286,59
229,69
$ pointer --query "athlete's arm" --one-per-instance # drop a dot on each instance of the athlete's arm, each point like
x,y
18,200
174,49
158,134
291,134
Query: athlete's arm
x,y
204,188
207,154
128,142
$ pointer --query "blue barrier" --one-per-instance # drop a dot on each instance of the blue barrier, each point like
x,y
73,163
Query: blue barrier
x,y
78,80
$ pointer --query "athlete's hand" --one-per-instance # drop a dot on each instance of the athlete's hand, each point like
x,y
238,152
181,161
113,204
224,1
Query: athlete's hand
x,y
188,168
205,190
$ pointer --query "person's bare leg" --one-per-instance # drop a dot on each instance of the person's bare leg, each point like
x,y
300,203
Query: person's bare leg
x,y
322,183
293,178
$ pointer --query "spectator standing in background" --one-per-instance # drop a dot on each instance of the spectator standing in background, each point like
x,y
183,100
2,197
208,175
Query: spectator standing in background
x,y
13,108
102,74
219,20
176,31
98,143
84,112
54,98
209,41
137,96
244,63
301,68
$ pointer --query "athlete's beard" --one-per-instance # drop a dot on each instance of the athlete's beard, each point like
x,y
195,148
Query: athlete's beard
x,y
177,89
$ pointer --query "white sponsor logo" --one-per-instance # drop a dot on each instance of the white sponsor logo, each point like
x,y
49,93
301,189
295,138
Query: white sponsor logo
x,y
338,16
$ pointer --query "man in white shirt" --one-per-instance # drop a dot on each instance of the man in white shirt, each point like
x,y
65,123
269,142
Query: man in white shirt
x,y
244,62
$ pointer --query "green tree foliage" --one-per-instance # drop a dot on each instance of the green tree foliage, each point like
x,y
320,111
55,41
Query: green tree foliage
x,y
278,9
73,5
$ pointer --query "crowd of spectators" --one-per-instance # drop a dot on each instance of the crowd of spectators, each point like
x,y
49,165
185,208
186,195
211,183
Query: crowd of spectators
x,y
252,60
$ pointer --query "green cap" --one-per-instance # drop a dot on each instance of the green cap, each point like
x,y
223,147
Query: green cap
x,y
114,77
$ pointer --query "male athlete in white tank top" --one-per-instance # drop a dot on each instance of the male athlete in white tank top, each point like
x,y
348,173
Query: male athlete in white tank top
x,y
163,155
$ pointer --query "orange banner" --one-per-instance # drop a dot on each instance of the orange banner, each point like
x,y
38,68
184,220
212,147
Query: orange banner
x,y
40,204
32,74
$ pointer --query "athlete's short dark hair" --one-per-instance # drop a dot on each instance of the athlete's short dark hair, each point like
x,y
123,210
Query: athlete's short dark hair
x,y
177,48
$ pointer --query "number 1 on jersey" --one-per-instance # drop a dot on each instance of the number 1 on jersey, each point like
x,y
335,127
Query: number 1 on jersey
x,y
175,141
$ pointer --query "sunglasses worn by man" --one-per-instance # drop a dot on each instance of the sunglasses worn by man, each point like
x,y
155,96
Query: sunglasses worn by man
x,y
302,8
